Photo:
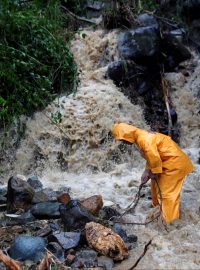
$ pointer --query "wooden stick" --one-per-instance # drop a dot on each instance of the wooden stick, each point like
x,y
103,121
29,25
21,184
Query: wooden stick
x,y
142,255
166,97
77,17
10,263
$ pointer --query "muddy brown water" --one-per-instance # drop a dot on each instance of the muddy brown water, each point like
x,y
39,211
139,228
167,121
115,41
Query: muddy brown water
x,y
87,118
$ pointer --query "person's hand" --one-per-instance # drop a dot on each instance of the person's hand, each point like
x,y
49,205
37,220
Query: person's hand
x,y
145,176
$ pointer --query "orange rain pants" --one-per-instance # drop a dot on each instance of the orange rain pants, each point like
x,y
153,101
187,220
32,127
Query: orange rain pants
x,y
164,158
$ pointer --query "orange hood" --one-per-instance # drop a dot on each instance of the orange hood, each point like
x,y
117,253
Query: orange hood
x,y
124,132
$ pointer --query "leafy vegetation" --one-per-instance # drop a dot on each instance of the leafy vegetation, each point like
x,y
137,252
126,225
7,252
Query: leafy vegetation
x,y
36,64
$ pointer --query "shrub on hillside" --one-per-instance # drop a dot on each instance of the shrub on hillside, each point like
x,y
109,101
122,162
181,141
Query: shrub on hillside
x,y
36,64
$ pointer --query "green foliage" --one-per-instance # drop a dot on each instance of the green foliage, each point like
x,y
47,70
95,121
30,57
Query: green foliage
x,y
150,5
76,6
36,64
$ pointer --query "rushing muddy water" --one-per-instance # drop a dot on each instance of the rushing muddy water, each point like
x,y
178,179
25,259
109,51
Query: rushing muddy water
x,y
81,154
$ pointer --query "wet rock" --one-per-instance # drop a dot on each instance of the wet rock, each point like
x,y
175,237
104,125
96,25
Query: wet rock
x,y
141,45
44,232
123,73
56,250
27,247
146,19
53,194
19,195
39,197
63,198
46,210
105,241
178,34
105,262
122,233
3,191
3,200
108,213
85,258
25,218
174,50
74,215
35,183
67,240
93,204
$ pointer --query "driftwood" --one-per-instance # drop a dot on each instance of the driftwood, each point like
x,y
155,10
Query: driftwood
x,y
10,263
46,262
167,102
142,255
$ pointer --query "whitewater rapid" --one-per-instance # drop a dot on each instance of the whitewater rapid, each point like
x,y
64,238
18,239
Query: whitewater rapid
x,y
80,152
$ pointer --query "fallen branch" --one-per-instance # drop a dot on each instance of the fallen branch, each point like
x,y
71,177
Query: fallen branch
x,y
77,17
133,205
167,102
45,263
10,263
141,256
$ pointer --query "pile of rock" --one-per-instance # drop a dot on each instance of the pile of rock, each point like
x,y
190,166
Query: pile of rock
x,y
41,225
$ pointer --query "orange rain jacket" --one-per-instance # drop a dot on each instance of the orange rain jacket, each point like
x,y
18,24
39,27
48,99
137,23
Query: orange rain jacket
x,y
165,158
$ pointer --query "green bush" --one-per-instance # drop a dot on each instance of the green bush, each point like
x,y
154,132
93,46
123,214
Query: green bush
x,y
36,64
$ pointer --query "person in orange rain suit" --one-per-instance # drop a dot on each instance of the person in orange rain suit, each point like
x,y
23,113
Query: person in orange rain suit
x,y
166,162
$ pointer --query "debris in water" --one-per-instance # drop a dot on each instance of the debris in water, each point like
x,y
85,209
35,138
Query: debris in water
x,y
105,241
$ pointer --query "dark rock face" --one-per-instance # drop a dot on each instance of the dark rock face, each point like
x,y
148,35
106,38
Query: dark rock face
x,y
123,73
141,45
67,240
174,50
27,248
19,194
46,210
74,215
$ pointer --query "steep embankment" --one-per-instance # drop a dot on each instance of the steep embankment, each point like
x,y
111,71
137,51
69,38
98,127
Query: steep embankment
x,y
67,155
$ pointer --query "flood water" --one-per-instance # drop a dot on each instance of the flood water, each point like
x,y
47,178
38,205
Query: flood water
x,y
81,154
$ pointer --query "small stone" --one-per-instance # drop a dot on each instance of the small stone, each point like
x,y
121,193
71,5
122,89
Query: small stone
x,y
27,247
93,204
70,258
63,198
74,215
34,182
46,210
19,195
86,257
66,239
56,250
105,262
